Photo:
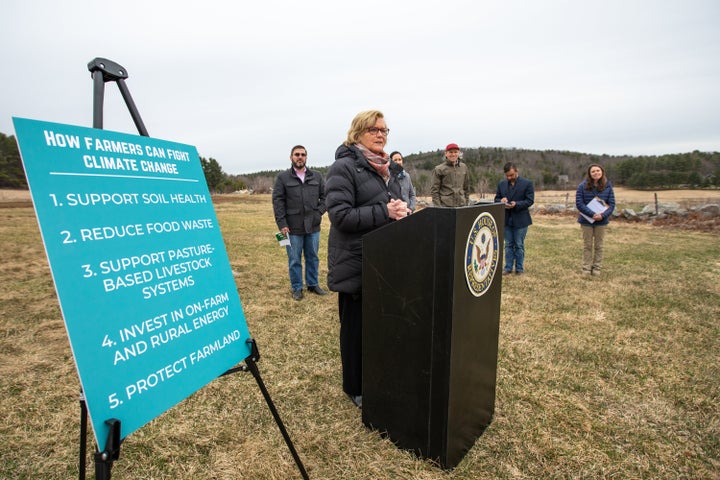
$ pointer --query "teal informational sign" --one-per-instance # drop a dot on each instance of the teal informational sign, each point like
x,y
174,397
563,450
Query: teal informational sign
x,y
139,264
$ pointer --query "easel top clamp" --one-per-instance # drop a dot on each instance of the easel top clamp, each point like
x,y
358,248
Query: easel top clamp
x,y
104,70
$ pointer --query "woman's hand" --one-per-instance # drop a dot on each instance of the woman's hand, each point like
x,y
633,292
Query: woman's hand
x,y
397,209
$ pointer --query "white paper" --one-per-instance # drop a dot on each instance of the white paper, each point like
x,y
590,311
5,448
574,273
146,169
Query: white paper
x,y
597,205
283,240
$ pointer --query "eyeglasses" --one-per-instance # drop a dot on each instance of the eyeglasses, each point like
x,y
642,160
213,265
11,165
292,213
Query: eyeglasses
x,y
296,154
375,131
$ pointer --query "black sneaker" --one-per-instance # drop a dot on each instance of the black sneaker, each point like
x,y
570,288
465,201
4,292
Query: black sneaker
x,y
297,295
317,290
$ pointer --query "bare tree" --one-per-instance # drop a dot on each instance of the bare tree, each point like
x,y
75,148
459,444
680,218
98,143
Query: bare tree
x,y
483,188
261,184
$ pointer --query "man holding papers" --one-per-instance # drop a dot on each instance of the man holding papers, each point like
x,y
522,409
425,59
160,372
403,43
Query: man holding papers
x,y
518,195
595,200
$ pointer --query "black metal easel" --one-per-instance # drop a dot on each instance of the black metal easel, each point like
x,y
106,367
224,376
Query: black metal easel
x,y
104,70
251,365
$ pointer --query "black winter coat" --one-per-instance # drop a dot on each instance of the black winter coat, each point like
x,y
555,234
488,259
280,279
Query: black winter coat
x,y
357,199
299,205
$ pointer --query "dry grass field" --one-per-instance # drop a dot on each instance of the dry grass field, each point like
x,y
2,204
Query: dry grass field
x,y
626,197
7,196
609,377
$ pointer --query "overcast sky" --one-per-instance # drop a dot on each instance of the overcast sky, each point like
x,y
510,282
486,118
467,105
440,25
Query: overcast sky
x,y
245,81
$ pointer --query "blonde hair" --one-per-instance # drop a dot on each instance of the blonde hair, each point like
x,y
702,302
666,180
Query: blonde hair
x,y
360,123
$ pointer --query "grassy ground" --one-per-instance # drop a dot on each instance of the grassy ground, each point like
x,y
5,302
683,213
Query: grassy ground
x,y
610,377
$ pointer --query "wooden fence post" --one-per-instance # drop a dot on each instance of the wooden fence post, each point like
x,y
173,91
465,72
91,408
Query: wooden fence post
x,y
657,207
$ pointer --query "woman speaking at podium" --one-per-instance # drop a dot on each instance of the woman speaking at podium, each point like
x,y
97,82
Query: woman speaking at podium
x,y
362,194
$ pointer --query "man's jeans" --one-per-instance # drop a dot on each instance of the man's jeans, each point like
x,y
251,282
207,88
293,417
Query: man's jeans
x,y
309,244
515,248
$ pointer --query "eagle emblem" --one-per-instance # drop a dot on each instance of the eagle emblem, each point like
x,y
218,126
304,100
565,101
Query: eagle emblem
x,y
481,254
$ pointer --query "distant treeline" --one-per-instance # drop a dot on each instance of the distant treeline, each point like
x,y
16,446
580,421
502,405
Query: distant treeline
x,y
548,169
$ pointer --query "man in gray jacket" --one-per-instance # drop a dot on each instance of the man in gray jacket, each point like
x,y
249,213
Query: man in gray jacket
x,y
298,199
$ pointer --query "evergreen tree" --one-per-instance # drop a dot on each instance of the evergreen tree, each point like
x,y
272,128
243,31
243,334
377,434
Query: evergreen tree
x,y
12,174
214,175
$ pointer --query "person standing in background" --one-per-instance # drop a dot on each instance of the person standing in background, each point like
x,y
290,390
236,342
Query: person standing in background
x,y
596,187
298,200
518,194
406,187
450,180
363,194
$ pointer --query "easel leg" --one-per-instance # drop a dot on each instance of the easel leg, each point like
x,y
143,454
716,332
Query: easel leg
x,y
252,366
83,436
104,460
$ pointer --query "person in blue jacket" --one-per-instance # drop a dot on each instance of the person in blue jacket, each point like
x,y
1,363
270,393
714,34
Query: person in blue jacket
x,y
595,200
518,194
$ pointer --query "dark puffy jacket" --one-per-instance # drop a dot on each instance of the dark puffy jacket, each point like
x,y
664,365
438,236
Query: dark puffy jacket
x,y
299,205
357,199
584,196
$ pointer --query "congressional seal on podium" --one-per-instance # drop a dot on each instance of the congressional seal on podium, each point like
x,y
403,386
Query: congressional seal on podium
x,y
481,254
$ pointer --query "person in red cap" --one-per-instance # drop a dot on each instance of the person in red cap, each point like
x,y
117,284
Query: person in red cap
x,y
450,181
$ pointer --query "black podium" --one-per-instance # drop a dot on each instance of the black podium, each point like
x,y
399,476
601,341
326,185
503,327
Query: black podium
x,y
431,308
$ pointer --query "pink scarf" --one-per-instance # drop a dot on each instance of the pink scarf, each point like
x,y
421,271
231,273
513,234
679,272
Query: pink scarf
x,y
380,163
